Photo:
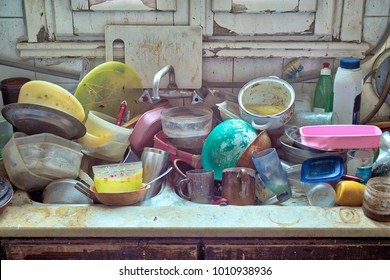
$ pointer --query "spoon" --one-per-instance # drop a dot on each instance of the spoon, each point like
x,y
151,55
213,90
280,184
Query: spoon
x,y
160,176
86,191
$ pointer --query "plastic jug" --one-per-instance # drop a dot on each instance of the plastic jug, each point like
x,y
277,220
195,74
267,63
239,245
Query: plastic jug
x,y
348,86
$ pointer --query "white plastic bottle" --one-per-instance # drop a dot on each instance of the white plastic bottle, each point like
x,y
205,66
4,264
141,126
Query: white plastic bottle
x,y
347,89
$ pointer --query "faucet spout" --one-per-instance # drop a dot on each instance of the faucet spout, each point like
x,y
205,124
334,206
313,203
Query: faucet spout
x,y
157,79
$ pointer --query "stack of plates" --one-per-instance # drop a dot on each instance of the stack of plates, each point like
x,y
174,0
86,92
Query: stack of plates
x,y
6,193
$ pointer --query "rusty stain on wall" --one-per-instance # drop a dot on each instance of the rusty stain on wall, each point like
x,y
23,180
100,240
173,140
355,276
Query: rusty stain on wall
x,y
42,35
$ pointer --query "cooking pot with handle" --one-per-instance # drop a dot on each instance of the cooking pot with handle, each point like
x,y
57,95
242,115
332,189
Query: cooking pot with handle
x,y
266,103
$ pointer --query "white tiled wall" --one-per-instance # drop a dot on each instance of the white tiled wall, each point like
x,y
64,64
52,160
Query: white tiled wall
x,y
240,70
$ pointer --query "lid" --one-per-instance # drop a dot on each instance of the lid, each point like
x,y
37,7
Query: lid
x,y
326,70
322,169
350,63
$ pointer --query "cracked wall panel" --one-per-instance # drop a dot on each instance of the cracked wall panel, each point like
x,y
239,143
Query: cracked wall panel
x,y
79,5
93,23
63,18
122,5
36,20
256,6
352,21
325,18
12,31
221,5
263,24
167,5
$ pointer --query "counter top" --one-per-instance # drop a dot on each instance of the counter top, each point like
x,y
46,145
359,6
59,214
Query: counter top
x,y
167,215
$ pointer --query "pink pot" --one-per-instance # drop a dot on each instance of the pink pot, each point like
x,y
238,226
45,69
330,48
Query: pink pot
x,y
145,129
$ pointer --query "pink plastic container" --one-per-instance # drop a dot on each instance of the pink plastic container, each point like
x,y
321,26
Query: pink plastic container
x,y
331,137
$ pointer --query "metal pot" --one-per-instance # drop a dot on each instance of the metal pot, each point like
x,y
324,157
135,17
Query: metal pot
x,y
272,92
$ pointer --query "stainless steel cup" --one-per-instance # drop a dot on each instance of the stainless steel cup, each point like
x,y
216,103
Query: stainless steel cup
x,y
154,163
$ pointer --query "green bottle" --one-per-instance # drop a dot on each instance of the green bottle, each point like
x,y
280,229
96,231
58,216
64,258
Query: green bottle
x,y
323,95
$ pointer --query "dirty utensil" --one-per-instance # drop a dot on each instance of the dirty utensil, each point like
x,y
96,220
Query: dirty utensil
x,y
133,120
86,191
160,176
121,113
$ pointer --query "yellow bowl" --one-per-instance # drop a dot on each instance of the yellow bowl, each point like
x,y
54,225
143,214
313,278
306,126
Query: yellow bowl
x,y
121,198
116,186
119,177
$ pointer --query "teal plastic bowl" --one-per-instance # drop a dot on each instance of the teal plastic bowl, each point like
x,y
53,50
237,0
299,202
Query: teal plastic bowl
x,y
225,144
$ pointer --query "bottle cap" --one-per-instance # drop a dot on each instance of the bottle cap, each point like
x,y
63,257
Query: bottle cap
x,y
350,63
326,70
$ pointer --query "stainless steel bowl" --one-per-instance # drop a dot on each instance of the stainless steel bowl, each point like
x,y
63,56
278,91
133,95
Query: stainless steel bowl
x,y
63,191
296,155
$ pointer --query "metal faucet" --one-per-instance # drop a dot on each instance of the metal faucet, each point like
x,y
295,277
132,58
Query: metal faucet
x,y
172,90
157,78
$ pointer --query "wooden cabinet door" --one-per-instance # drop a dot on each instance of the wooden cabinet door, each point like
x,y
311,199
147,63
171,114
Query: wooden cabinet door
x,y
100,248
298,249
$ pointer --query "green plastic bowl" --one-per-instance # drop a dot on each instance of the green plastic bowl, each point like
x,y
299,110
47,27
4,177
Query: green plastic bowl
x,y
225,144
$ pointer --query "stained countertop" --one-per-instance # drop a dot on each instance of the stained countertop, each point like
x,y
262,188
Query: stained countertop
x,y
168,215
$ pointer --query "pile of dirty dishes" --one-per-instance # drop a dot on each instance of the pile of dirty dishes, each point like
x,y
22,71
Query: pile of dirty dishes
x,y
33,161
6,193
119,184
104,139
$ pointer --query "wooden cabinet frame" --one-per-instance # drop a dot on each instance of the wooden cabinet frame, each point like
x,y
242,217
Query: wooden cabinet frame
x,y
72,28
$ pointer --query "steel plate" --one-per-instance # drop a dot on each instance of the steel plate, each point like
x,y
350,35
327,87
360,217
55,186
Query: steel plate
x,y
33,119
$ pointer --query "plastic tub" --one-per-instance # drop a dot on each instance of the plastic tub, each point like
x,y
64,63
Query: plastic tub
x,y
18,172
50,156
341,136
229,110
102,125
186,121
102,148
